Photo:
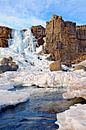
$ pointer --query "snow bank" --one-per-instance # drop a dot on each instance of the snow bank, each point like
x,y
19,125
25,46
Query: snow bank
x,y
11,98
72,119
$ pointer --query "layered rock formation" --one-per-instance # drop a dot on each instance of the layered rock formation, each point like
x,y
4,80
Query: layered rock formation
x,y
65,40
39,33
81,36
5,34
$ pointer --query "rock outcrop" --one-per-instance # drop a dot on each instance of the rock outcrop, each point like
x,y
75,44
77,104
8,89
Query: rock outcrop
x,y
7,64
65,40
39,33
5,34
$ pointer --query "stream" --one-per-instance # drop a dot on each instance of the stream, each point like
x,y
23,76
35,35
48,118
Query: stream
x,y
38,113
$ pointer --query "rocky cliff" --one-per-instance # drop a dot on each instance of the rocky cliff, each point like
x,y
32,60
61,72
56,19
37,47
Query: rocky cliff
x,y
5,34
39,33
65,40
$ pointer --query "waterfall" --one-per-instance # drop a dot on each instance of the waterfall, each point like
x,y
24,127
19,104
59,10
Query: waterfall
x,y
30,41
16,44
22,41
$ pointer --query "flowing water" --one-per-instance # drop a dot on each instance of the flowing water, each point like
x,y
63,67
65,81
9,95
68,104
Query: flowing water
x,y
38,113
29,116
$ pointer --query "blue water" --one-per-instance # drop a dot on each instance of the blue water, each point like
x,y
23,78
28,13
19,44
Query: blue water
x,y
28,116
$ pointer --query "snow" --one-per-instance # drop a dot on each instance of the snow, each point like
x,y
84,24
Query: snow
x,y
39,49
33,70
11,98
73,119
28,75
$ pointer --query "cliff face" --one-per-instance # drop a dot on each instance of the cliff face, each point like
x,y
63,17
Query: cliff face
x,y
39,33
5,34
81,36
65,40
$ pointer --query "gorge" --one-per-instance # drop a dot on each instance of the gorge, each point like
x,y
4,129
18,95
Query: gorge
x,y
45,91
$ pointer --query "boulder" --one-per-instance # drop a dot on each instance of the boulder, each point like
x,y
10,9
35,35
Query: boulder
x,y
7,64
55,66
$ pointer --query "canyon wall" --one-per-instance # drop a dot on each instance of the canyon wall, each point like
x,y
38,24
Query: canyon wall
x,y
65,40
5,34
81,36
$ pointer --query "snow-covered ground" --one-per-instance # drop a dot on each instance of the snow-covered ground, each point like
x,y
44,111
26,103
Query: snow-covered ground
x,y
73,119
34,70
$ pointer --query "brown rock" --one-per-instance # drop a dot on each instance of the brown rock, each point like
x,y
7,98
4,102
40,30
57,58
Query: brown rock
x,y
39,33
5,34
3,42
55,66
4,61
7,64
65,40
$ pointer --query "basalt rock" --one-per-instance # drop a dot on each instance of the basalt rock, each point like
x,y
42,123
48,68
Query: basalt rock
x,y
7,64
65,40
5,34
39,33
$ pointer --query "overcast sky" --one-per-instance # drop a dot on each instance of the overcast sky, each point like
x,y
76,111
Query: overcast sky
x,y
25,13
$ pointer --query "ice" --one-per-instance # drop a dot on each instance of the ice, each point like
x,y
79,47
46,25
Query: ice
x,y
17,44
30,41
29,75
33,70
22,42
11,98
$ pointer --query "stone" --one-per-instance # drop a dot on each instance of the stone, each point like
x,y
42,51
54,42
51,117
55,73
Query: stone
x,y
5,34
55,66
4,61
60,105
7,64
39,33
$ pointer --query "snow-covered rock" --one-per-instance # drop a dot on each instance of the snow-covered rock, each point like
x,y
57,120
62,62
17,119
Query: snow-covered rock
x,y
75,117
72,119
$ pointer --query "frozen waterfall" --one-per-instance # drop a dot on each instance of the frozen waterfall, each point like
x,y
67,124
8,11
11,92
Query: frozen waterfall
x,y
22,41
